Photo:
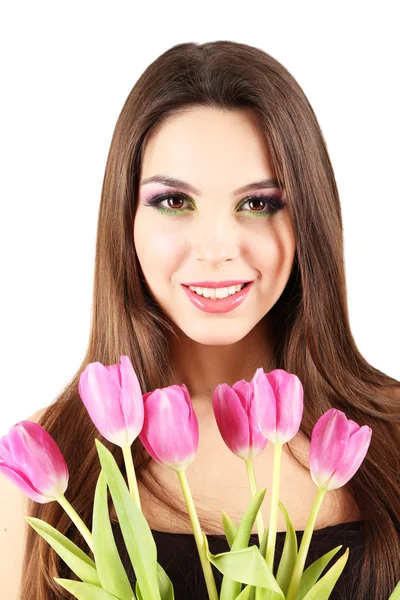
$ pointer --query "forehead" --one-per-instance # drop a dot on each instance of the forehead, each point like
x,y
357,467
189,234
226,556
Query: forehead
x,y
208,145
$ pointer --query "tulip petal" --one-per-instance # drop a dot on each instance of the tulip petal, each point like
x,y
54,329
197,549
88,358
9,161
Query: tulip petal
x,y
288,392
170,429
264,413
328,445
356,450
131,399
38,456
99,389
145,435
18,479
35,459
243,389
5,455
231,417
193,423
257,441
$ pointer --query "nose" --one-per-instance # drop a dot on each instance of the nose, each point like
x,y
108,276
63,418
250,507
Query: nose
x,y
216,258
217,243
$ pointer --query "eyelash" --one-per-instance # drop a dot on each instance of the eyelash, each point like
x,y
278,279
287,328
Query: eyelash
x,y
273,204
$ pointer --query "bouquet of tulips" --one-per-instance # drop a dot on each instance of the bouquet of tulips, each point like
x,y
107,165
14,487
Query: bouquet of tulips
x,y
248,415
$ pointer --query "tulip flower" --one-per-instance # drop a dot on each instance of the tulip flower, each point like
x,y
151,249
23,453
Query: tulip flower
x,y
234,413
278,404
170,430
31,459
338,447
170,435
113,399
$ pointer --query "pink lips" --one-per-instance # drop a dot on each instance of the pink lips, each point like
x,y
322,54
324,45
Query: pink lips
x,y
218,305
215,284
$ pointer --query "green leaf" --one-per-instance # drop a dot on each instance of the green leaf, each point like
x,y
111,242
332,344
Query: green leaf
x,y
135,530
79,563
230,587
138,593
313,571
110,569
245,565
289,553
260,593
245,593
395,595
288,558
257,594
263,594
164,583
264,542
84,591
230,529
324,587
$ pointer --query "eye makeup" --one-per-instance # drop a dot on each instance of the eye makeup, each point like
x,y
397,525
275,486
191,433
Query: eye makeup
x,y
272,203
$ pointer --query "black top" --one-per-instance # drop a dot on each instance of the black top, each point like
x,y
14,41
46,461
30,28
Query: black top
x,y
177,554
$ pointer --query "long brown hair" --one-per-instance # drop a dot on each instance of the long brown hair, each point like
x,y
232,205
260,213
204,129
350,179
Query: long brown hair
x,y
310,330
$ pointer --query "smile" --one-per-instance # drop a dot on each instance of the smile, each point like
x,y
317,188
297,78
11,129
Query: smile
x,y
220,304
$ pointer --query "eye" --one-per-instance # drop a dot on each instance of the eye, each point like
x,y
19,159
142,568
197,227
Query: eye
x,y
264,205
155,202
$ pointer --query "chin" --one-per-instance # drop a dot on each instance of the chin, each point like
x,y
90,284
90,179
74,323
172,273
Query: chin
x,y
215,334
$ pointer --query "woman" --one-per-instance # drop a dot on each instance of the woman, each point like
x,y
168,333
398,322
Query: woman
x,y
219,116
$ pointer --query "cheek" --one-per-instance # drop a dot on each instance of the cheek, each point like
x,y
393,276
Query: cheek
x,y
273,256
157,249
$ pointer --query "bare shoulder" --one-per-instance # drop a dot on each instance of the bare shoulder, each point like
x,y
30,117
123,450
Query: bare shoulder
x,y
13,509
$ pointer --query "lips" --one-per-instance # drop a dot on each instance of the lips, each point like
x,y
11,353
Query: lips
x,y
217,284
218,305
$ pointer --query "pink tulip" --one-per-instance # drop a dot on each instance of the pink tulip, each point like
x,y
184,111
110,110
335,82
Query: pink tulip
x,y
170,431
31,459
114,400
235,416
338,447
278,401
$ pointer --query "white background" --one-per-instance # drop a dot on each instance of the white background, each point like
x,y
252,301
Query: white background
x,y
67,69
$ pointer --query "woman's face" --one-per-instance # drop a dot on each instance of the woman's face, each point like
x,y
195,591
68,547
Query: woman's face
x,y
213,233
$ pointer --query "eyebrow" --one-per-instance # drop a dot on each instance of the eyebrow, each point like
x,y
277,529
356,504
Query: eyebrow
x,y
173,182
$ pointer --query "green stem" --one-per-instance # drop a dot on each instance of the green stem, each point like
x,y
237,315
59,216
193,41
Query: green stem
x,y
253,488
273,517
75,518
130,472
305,543
205,563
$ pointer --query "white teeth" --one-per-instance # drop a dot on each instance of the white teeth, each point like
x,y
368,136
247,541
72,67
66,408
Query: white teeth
x,y
216,293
